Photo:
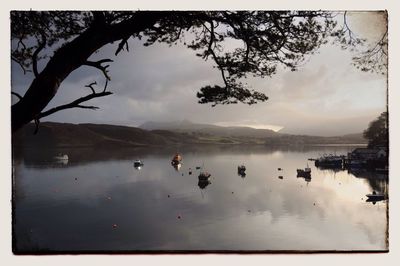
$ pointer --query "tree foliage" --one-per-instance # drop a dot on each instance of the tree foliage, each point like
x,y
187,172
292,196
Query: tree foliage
x,y
263,40
377,132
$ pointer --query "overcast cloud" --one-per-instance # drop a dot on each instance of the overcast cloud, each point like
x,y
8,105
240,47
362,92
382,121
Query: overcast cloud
x,y
327,96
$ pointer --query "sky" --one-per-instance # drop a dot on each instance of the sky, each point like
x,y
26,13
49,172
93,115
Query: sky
x,y
327,96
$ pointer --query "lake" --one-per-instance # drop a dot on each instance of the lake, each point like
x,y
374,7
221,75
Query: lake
x,y
98,202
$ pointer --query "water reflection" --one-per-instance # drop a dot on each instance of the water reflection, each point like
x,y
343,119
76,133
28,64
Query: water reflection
x,y
307,179
377,180
263,213
242,174
203,183
177,166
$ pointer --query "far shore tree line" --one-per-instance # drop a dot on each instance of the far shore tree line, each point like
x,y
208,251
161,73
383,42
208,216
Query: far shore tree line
x,y
377,132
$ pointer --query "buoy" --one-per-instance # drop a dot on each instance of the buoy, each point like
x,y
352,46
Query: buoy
x,y
168,196
179,217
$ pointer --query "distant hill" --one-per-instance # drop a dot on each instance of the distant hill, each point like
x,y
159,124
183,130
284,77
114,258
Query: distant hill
x,y
88,135
160,134
207,129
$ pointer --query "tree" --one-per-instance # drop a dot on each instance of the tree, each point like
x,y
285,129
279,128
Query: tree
x,y
266,40
377,132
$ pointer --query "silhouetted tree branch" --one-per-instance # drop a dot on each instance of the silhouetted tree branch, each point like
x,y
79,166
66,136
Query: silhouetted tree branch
x,y
40,47
17,94
98,65
77,103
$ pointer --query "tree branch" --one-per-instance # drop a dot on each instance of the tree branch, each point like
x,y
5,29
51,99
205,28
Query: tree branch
x,y
124,42
350,32
41,45
17,94
91,86
210,50
20,64
76,104
98,65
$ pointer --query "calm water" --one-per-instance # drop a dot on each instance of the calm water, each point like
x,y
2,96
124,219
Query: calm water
x,y
97,201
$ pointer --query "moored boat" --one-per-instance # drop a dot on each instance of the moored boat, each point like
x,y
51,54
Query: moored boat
x,y
204,176
306,172
241,168
61,157
138,163
176,159
376,196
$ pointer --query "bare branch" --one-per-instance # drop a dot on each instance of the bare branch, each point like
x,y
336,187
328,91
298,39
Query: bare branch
x,y
98,65
87,107
20,64
17,94
41,45
91,86
76,104
352,39
210,50
105,85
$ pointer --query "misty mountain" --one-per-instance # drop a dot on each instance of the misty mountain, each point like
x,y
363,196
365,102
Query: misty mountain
x,y
186,126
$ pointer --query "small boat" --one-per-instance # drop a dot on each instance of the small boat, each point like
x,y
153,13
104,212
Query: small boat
x,y
61,157
375,196
198,167
304,173
204,176
241,168
280,177
137,163
279,169
176,159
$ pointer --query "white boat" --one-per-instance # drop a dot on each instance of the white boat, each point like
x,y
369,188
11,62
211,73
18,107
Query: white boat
x,y
137,163
61,157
